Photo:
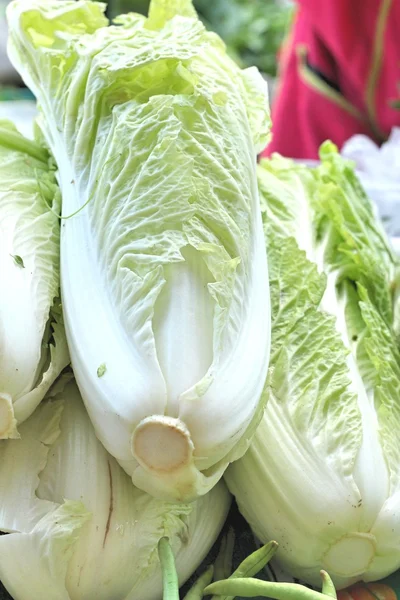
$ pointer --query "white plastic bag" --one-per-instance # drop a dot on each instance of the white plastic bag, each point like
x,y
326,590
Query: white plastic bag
x,y
378,169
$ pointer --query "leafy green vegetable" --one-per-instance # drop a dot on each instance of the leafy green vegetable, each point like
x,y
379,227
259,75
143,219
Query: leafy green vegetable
x,y
253,30
322,474
155,131
33,348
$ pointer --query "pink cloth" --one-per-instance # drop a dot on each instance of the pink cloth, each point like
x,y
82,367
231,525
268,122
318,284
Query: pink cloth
x,y
340,72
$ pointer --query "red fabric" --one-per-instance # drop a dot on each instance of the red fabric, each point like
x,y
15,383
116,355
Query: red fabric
x,y
340,38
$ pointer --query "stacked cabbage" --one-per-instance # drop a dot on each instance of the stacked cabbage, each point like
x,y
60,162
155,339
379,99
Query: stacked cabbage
x,y
165,299
150,178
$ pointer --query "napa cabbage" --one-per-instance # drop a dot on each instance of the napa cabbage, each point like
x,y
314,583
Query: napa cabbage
x,y
33,348
322,476
155,131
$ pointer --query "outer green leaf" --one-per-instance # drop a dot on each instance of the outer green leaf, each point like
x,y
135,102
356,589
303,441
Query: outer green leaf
x,y
285,192
311,431
358,246
32,339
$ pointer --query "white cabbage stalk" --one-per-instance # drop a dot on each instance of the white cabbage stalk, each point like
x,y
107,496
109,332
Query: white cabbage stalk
x,y
164,274
322,476
78,528
33,348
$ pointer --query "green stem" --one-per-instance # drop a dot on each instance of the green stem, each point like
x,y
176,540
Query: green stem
x,y
14,141
250,588
327,585
169,574
252,565
223,562
196,592
256,561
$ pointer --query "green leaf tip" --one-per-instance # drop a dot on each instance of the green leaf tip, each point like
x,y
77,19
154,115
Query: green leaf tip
x,y
196,592
327,585
101,370
18,260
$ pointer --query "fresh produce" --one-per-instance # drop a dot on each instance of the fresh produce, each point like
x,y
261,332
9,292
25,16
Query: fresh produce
x,y
253,30
256,588
33,348
145,158
77,526
241,581
322,476
155,133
